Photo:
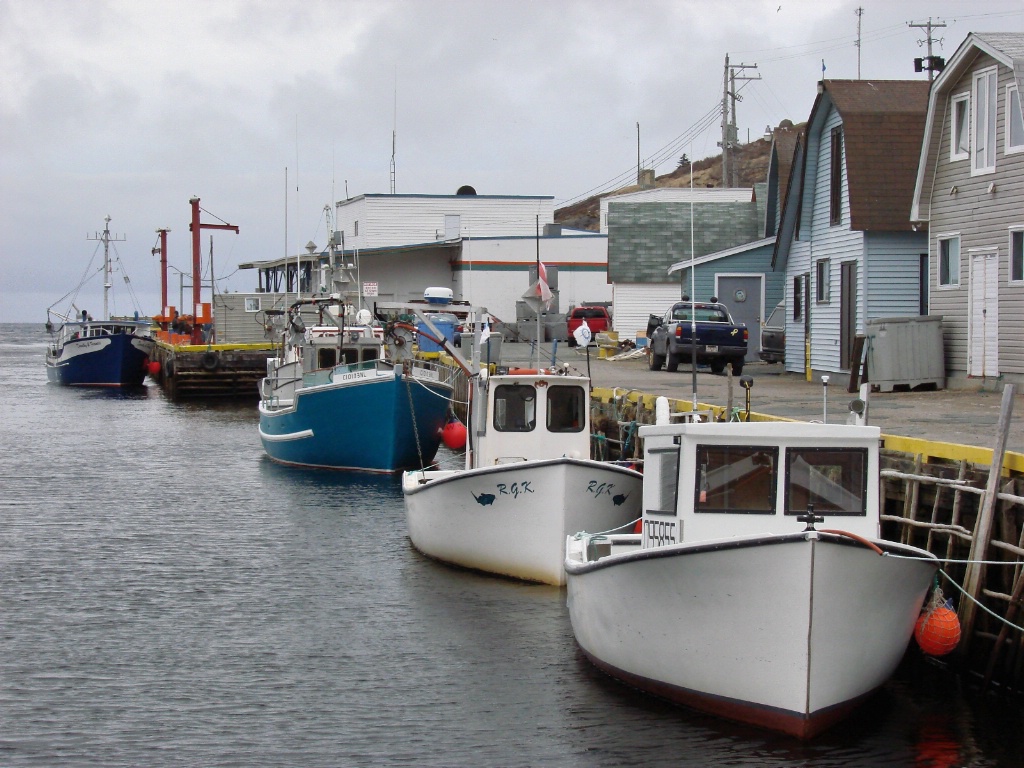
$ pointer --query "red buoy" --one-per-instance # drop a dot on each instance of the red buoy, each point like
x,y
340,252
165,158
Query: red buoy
x,y
153,368
938,631
454,435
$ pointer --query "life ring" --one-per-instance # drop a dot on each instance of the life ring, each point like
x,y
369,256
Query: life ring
x,y
209,361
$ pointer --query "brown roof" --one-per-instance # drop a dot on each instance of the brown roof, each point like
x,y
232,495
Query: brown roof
x,y
785,137
883,125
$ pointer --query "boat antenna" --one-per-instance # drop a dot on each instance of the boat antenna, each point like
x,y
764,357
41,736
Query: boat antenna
x,y
286,235
394,132
693,295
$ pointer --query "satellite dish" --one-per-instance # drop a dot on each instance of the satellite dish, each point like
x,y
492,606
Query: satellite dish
x,y
466,190
363,317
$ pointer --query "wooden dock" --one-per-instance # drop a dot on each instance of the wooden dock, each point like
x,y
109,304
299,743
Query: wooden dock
x,y
211,370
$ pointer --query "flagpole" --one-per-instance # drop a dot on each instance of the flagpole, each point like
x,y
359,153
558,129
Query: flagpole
x,y
537,223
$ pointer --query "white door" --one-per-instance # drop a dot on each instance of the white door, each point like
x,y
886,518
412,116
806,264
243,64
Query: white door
x,y
983,315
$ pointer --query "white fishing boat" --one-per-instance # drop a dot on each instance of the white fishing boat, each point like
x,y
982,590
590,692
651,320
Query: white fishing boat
x,y
528,481
737,599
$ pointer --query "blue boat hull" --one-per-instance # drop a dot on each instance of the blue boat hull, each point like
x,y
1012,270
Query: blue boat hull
x,y
117,360
366,425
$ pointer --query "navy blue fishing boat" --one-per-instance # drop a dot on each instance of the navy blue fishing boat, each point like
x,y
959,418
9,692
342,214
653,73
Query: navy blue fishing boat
x,y
110,352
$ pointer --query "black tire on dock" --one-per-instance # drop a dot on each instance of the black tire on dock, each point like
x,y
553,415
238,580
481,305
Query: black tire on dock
x,y
210,361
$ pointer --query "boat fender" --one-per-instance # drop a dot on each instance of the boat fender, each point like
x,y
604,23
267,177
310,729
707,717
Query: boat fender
x,y
938,629
210,361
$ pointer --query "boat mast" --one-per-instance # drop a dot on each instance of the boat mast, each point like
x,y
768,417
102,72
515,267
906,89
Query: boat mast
x,y
105,237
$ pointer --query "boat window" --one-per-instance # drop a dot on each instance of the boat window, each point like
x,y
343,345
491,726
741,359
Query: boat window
x,y
326,357
350,356
834,480
566,409
666,467
370,353
736,479
515,408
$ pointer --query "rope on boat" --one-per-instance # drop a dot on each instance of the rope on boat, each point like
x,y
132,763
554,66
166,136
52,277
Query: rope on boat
x,y
415,426
437,394
987,610
599,534
952,581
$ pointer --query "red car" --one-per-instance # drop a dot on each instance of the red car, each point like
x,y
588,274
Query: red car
x,y
597,319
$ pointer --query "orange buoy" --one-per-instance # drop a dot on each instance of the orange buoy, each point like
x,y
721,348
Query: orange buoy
x,y
938,630
153,368
454,435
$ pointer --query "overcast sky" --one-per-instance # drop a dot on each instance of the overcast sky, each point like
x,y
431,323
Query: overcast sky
x,y
129,108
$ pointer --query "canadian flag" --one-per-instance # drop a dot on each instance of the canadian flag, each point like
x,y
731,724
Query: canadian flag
x,y
542,284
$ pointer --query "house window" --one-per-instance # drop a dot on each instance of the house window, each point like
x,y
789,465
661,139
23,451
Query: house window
x,y
960,141
984,144
949,260
836,190
798,298
1014,121
1017,255
252,304
822,275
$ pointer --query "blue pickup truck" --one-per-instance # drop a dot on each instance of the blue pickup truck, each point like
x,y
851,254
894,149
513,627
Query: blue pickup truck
x,y
720,341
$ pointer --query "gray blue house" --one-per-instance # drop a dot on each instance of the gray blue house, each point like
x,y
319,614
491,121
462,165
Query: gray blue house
x,y
846,243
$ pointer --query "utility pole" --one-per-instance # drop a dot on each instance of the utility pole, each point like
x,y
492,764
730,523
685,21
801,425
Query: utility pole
x,y
860,13
730,135
931,63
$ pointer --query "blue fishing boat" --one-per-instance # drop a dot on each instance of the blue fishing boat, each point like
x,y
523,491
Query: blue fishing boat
x,y
110,352
343,397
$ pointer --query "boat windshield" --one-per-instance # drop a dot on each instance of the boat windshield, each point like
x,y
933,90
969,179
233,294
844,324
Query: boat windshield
x,y
834,480
515,408
566,409
736,479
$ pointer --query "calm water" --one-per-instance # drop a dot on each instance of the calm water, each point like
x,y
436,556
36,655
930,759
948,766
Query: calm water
x,y
170,597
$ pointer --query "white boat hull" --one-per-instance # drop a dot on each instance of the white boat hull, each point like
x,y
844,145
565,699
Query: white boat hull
x,y
787,632
512,519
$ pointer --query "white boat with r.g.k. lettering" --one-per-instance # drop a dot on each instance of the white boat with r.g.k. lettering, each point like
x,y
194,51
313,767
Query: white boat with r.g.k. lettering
x,y
527,483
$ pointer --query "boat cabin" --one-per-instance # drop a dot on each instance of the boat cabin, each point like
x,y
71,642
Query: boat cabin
x,y
328,347
715,481
532,415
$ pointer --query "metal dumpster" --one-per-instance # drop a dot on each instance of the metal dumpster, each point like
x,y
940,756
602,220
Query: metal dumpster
x,y
905,351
